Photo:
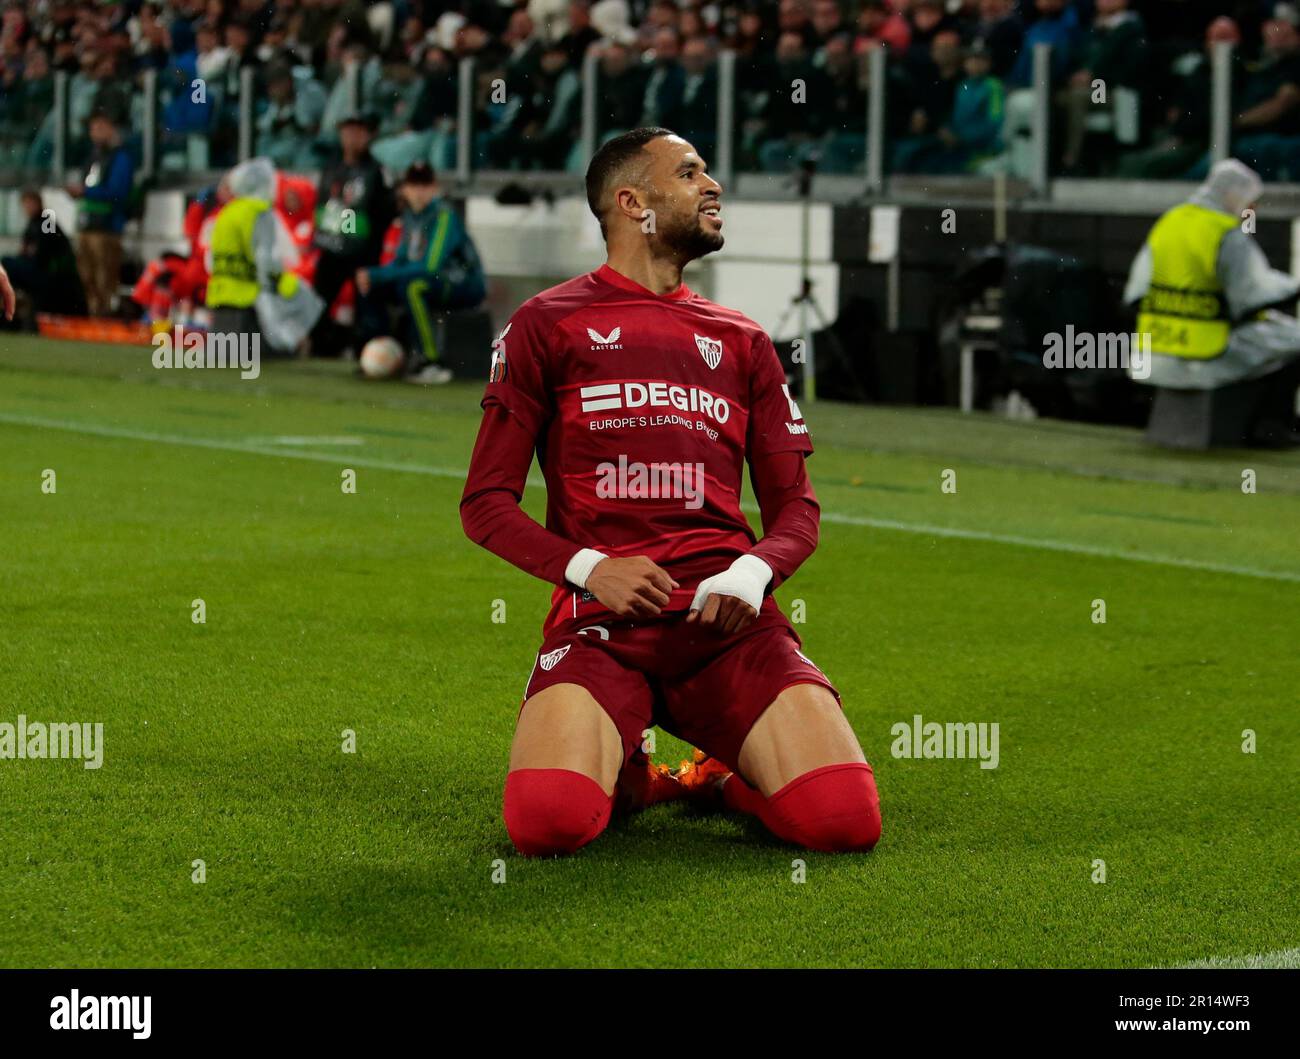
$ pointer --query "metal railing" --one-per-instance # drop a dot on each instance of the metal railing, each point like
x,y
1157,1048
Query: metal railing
x,y
590,128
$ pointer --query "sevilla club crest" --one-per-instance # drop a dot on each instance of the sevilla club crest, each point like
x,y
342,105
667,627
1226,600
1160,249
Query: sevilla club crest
x,y
552,658
710,349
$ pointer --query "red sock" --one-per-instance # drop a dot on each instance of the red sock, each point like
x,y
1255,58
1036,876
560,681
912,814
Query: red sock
x,y
834,808
550,811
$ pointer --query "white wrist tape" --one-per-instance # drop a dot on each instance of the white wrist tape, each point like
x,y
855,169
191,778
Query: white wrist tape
x,y
581,566
747,578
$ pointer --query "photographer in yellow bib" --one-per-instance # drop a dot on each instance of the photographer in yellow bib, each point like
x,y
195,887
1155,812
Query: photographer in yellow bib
x,y
1205,293
251,289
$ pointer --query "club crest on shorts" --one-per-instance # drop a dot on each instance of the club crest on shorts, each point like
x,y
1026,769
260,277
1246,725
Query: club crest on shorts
x,y
710,349
552,658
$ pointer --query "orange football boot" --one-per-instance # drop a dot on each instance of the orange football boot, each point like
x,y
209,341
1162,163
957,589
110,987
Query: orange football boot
x,y
702,778
642,784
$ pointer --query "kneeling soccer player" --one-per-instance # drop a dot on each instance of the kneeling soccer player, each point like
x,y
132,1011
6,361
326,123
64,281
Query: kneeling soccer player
x,y
643,401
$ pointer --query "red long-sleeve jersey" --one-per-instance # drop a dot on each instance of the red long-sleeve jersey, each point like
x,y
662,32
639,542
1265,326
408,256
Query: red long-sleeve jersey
x,y
642,410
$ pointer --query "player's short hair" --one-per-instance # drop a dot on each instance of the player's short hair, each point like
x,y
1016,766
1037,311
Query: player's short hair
x,y
612,164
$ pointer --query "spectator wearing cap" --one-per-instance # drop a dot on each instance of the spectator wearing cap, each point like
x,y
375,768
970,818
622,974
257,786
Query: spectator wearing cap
x,y
974,132
103,197
436,268
354,209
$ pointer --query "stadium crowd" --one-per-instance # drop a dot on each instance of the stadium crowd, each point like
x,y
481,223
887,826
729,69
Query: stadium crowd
x,y
957,76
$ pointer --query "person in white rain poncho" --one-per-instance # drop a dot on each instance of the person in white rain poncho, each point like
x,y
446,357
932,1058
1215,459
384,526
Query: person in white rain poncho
x,y
251,289
1208,298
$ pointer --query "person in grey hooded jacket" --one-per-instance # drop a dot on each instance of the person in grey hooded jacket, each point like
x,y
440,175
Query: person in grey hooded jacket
x,y
1209,299
252,288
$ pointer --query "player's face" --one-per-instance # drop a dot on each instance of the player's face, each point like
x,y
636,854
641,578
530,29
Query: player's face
x,y
686,200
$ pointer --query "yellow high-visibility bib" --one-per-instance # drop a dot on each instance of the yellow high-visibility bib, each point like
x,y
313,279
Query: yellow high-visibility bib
x,y
234,270
1183,310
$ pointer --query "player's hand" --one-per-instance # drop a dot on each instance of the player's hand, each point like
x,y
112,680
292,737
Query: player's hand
x,y
729,602
633,587
7,294
363,281
723,614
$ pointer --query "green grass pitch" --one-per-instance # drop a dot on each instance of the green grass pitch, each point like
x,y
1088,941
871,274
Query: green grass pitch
x,y
1120,742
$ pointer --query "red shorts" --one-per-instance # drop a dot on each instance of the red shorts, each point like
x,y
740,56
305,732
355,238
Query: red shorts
x,y
706,689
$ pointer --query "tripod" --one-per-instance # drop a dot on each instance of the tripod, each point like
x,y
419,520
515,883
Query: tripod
x,y
805,302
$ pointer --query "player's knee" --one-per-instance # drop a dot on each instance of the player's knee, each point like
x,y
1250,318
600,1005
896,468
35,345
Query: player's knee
x,y
553,811
837,809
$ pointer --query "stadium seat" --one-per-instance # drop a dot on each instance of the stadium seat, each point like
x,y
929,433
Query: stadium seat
x,y
164,215
1201,419
14,220
63,205
464,340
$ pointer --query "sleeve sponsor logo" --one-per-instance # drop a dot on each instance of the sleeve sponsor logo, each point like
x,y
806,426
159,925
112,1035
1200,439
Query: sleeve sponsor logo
x,y
797,426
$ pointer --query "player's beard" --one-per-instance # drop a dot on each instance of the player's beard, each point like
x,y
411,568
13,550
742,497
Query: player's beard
x,y
686,238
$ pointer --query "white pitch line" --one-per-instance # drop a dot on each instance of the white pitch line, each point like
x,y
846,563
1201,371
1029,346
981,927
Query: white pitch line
x,y
249,447
951,532
306,439
1259,960
1060,546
